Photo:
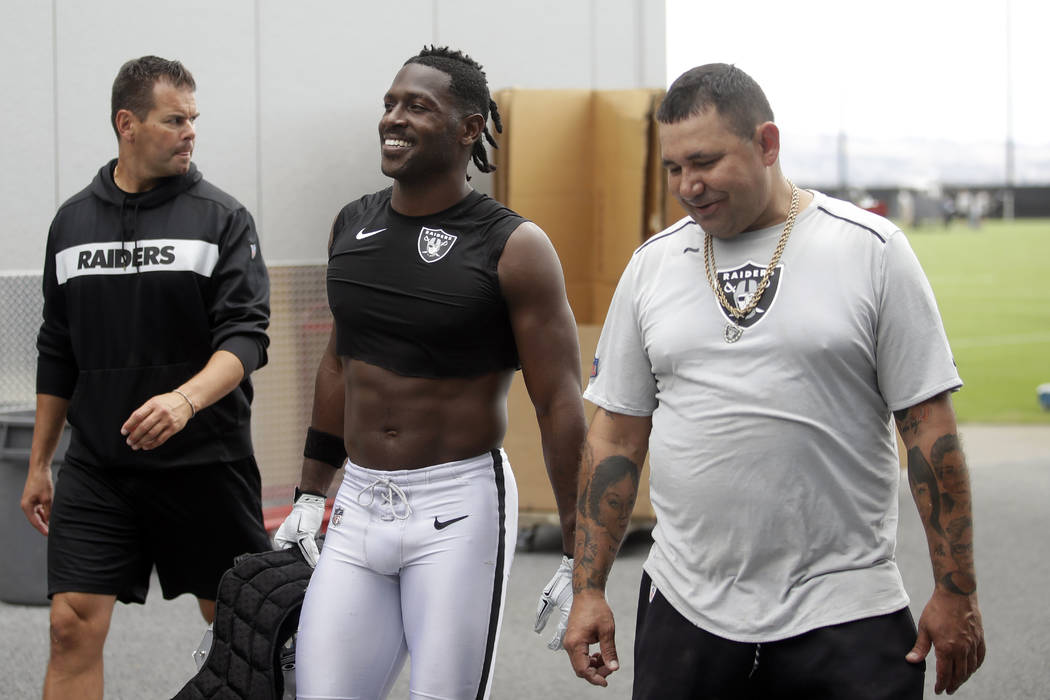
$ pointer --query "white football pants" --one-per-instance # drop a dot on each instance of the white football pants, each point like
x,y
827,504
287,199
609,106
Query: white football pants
x,y
415,563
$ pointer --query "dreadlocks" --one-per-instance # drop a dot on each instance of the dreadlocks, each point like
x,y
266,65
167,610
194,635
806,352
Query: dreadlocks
x,y
471,90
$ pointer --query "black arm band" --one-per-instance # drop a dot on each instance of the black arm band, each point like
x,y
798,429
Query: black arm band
x,y
299,492
324,447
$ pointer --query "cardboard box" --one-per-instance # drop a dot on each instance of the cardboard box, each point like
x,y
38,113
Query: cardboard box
x,y
543,171
621,152
580,164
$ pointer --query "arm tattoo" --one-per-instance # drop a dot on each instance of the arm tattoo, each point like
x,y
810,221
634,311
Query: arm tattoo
x,y
957,529
925,490
909,419
960,583
604,505
587,576
614,478
950,468
946,455
942,493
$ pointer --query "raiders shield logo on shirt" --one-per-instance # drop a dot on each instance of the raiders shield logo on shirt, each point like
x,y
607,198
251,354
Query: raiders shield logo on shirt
x,y
740,283
434,243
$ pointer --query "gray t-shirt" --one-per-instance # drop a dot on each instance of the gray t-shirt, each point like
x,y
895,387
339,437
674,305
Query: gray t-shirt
x,y
774,468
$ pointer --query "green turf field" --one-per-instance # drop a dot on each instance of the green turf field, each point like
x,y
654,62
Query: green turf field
x,y
995,301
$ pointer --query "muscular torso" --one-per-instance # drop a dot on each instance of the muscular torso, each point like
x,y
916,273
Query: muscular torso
x,y
422,330
395,422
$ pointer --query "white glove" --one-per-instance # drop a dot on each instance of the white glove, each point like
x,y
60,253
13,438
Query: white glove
x,y
301,527
557,594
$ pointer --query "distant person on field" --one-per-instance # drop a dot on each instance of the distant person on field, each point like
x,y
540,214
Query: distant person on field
x,y
947,210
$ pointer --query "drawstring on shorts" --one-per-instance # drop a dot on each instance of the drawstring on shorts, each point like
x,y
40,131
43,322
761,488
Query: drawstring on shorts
x,y
754,666
388,490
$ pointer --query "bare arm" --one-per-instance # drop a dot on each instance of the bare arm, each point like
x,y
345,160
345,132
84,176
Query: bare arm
x,y
609,477
545,332
47,431
154,422
328,409
940,484
327,450
327,416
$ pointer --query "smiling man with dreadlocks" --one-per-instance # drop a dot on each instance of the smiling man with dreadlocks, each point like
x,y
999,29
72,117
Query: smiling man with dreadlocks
x,y
439,294
470,91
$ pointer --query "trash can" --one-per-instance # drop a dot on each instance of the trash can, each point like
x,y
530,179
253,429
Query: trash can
x,y
23,579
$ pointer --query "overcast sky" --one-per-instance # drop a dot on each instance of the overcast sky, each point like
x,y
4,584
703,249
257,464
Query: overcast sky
x,y
892,70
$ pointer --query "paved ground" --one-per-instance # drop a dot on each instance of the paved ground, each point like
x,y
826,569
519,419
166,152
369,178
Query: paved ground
x,y
148,655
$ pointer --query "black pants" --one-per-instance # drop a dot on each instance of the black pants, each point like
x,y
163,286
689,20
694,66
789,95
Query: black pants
x,y
860,660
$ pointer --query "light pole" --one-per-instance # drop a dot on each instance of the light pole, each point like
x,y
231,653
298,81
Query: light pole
x,y
1008,194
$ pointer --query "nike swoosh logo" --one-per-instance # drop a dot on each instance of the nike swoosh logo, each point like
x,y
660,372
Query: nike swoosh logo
x,y
438,525
361,235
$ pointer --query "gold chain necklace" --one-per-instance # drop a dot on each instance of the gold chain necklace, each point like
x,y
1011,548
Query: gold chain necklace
x,y
733,331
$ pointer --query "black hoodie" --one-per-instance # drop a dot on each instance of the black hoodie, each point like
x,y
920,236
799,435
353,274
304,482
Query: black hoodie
x,y
139,291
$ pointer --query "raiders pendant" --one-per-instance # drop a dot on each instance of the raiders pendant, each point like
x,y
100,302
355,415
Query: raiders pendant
x,y
732,333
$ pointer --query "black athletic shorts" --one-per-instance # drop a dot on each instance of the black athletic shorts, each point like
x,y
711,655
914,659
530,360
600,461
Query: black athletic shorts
x,y
860,660
110,527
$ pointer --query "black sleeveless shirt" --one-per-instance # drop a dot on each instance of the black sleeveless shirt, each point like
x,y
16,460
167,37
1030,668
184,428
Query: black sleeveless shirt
x,y
420,295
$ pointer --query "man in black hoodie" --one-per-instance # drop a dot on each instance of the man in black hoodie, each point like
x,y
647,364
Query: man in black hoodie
x,y
156,303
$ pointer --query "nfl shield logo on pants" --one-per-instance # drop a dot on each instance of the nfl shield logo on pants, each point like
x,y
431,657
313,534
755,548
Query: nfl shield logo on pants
x,y
434,244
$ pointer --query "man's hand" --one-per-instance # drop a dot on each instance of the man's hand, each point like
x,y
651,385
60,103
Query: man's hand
x,y
152,423
36,498
951,623
301,526
557,594
591,621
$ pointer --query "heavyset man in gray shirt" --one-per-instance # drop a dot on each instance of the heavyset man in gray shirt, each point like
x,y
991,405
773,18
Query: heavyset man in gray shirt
x,y
764,395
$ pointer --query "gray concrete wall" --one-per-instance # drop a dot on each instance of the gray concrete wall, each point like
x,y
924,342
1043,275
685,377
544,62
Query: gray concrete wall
x,y
289,93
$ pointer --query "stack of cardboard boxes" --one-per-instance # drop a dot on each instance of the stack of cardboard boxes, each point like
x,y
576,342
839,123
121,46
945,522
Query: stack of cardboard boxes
x,y
584,165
